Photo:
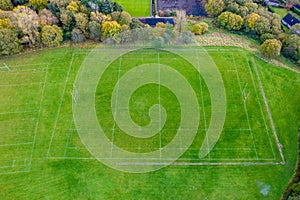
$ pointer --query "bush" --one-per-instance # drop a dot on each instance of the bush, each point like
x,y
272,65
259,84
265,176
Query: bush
x,y
38,4
161,25
110,29
6,5
271,48
73,6
77,36
51,36
81,20
199,29
136,24
9,43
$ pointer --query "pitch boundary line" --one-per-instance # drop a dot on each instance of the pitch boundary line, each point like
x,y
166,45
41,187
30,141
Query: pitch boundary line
x,y
269,112
245,106
60,104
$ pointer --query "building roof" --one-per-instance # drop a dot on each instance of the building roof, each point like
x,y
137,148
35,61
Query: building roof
x,y
290,20
297,6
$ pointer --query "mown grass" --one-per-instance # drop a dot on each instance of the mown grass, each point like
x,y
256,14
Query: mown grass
x,y
138,8
75,178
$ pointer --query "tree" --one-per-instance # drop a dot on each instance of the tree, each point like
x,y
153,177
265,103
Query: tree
x,y
230,21
251,19
214,7
94,30
123,18
199,29
9,43
181,20
38,4
271,48
82,22
28,23
6,5
77,35
291,46
5,23
262,26
296,29
110,29
51,36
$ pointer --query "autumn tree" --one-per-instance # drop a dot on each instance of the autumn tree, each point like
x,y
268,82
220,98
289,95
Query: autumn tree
x,y
81,22
51,36
271,48
251,19
262,26
110,28
47,18
214,7
28,23
230,21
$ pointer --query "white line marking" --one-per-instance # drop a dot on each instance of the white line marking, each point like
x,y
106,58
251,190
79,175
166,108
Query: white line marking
x,y
38,118
245,106
59,107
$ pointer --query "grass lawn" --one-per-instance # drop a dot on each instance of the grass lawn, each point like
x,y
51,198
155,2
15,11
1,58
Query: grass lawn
x,y
139,8
42,155
283,12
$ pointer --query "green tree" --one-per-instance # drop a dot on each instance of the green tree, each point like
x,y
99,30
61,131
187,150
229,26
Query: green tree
x,y
82,22
9,43
230,21
296,29
52,36
291,47
271,48
199,29
214,7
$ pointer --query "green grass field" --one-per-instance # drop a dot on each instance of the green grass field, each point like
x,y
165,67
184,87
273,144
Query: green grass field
x,y
138,8
42,155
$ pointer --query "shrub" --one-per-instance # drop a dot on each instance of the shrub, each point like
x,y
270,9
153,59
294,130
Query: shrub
x,y
51,36
136,24
99,17
214,7
271,48
251,19
6,5
77,36
38,4
9,43
110,29
66,20
199,29
160,25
